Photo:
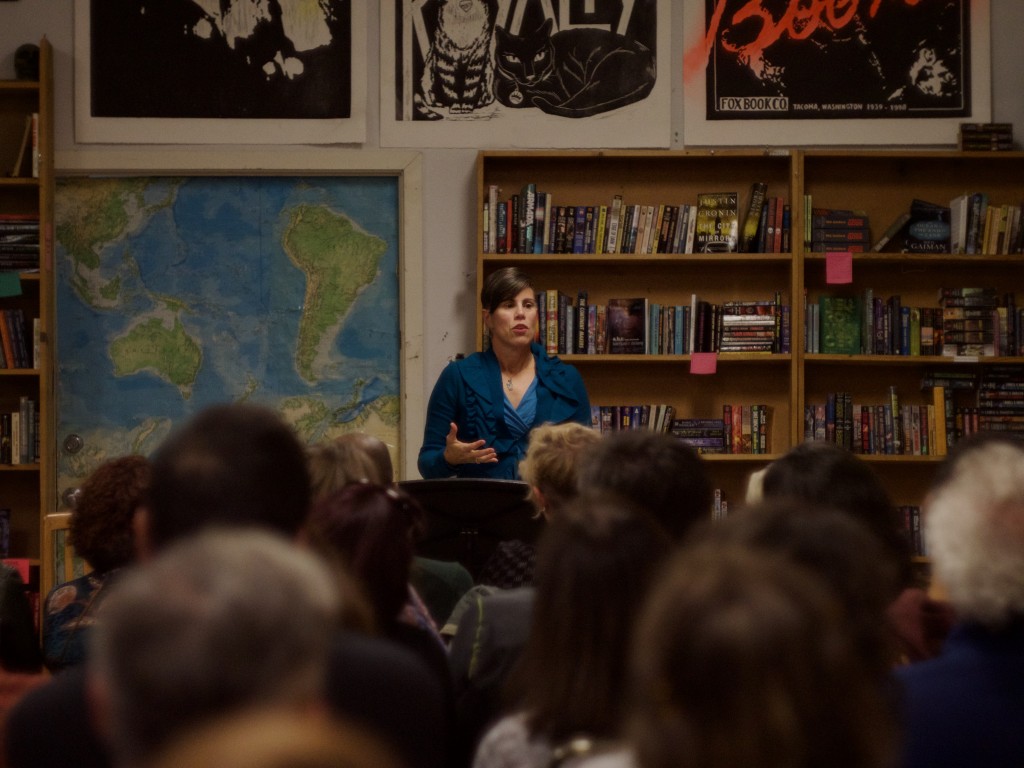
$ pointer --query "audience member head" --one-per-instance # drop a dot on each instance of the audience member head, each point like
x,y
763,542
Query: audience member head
x,y
231,464
277,739
974,528
659,473
551,462
829,476
371,530
741,658
101,521
840,552
338,462
218,622
595,562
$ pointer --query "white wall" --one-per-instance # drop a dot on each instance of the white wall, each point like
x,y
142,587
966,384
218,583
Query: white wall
x,y
448,175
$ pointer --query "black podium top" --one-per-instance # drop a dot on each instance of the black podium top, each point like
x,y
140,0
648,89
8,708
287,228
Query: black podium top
x,y
468,517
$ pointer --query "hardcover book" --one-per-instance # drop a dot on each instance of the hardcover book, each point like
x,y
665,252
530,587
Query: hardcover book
x,y
717,222
748,238
627,326
840,325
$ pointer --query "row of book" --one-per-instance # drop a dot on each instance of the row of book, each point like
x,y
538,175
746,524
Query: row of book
x,y
969,321
977,226
883,429
574,325
19,433
19,241
530,222
742,429
17,343
654,417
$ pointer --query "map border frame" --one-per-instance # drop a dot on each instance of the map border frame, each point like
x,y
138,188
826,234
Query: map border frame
x,y
406,166
935,131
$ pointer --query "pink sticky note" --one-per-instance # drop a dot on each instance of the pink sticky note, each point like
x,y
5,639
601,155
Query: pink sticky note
x,y
839,268
704,362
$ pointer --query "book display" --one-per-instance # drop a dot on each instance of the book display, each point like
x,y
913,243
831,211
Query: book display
x,y
649,307
920,343
935,320
27,453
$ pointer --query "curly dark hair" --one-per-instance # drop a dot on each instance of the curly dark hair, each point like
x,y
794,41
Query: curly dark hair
x,y
101,523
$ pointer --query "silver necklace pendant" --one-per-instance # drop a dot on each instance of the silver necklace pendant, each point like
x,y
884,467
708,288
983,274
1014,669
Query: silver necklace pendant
x,y
508,384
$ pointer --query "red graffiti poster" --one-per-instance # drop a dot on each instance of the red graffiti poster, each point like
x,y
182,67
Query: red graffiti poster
x,y
793,59
830,60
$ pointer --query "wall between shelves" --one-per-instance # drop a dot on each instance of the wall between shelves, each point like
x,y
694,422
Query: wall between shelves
x,y
448,189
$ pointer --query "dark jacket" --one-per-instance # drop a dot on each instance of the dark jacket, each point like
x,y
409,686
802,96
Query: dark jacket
x,y
469,393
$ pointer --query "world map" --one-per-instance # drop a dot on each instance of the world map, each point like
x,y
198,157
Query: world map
x,y
177,293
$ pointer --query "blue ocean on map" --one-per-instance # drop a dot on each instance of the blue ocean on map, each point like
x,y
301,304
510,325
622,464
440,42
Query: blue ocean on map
x,y
212,254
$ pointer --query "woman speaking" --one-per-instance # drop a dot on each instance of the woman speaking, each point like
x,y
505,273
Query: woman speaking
x,y
483,407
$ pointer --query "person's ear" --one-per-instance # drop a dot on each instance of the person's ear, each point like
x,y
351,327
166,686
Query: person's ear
x,y
142,534
540,501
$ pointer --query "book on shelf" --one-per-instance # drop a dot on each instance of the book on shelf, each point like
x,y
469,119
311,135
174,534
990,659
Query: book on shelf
x,y
891,231
717,222
24,148
752,220
614,217
840,322
926,230
829,218
627,326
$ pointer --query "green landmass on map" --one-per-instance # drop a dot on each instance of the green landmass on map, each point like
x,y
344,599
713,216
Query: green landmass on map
x,y
338,261
92,216
170,353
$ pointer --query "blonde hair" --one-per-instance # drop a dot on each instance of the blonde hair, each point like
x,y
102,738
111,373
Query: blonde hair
x,y
552,459
333,464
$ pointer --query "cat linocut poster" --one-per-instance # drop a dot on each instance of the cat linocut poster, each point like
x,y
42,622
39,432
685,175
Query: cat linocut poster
x,y
525,73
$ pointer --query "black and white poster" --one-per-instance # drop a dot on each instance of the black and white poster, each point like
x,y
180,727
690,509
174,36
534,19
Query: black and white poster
x,y
552,73
793,63
208,71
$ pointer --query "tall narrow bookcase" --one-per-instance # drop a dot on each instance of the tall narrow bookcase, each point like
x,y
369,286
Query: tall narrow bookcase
x,y
593,178
881,184
27,489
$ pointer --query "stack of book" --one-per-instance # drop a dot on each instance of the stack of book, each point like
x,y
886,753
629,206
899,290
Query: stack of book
x,y
19,241
703,435
1001,399
985,137
839,230
969,321
750,326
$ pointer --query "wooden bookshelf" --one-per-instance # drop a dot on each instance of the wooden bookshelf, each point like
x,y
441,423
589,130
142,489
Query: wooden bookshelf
x,y
882,184
28,489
